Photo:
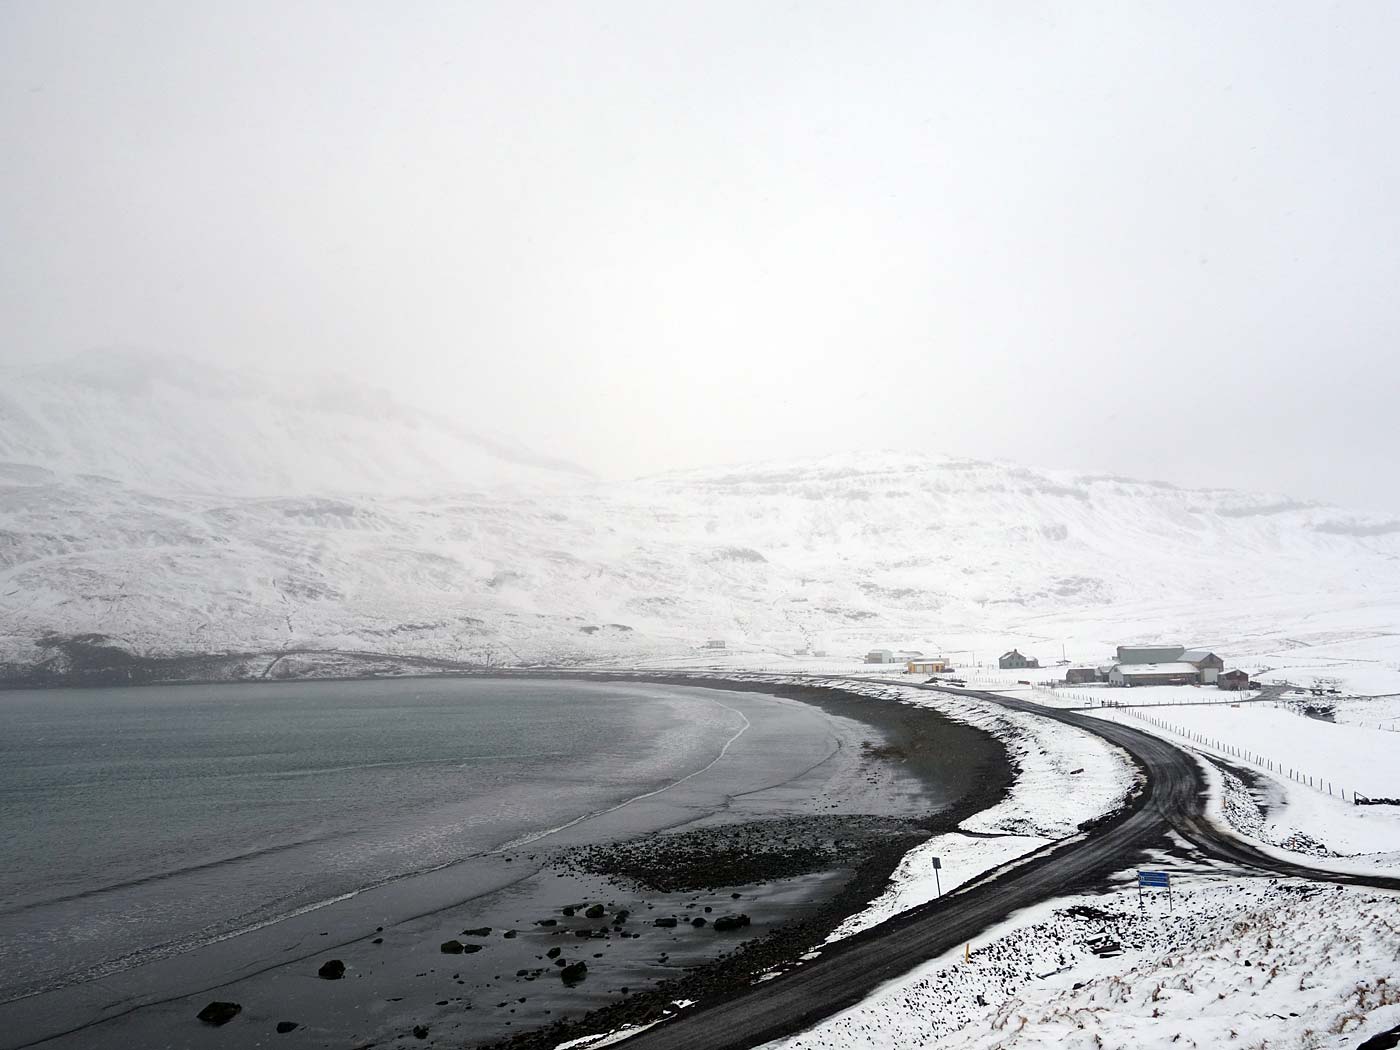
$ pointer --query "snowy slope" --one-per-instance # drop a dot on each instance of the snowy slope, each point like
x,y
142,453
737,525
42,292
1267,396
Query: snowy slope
x,y
184,510
168,423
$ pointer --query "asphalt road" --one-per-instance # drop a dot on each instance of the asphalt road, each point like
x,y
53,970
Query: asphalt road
x,y
847,972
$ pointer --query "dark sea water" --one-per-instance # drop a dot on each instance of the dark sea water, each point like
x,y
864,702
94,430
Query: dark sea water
x,y
139,823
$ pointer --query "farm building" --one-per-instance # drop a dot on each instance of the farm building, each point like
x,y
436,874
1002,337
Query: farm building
x,y
1232,680
715,643
926,666
1014,661
879,656
1174,673
1149,654
1206,663
1080,675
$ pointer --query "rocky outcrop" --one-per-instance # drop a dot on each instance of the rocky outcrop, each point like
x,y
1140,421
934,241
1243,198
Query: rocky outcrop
x,y
217,1013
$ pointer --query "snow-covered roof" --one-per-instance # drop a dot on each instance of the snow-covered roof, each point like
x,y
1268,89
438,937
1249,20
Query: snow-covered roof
x,y
1172,668
1195,656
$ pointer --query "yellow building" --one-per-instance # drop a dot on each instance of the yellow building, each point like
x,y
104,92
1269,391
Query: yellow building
x,y
926,666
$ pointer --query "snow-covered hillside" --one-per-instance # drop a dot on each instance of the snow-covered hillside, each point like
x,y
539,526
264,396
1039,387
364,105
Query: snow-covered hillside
x,y
188,511
164,423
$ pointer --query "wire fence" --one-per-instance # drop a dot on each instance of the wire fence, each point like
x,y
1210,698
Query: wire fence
x,y
1245,754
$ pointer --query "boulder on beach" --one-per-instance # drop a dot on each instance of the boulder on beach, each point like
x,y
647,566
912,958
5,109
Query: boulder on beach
x,y
595,912
420,1031
452,947
333,970
574,972
477,931
699,921
666,921
553,953
217,1013
283,1027
731,922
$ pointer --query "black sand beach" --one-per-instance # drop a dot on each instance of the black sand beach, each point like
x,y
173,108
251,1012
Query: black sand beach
x,y
684,895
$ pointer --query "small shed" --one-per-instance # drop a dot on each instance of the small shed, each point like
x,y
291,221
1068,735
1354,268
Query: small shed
x,y
1235,680
1080,675
879,656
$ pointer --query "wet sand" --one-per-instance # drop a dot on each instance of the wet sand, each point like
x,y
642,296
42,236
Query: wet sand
x,y
794,826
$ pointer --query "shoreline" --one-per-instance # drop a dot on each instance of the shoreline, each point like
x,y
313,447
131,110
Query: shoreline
x,y
732,974
798,923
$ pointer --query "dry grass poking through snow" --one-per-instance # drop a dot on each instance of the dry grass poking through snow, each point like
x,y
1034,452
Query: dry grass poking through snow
x,y
1260,965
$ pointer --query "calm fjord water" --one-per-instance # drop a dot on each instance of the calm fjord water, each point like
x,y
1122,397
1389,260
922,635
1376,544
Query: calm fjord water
x,y
140,822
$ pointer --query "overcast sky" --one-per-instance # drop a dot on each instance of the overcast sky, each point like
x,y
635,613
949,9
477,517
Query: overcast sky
x,y
1161,240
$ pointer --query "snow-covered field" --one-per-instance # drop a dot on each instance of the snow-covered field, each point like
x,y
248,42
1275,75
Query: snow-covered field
x,y
1284,749
1257,963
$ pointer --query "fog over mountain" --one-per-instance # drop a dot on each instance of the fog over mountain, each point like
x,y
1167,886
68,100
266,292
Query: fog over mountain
x,y
1156,240
175,509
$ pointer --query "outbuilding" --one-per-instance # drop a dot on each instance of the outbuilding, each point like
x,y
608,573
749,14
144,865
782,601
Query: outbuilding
x,y
1015,661
926,666
1204,661
1080,675
1176,673
879,656
1235,680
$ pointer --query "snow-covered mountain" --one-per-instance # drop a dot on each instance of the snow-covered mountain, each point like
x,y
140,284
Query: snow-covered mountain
x,y
171,424
193,512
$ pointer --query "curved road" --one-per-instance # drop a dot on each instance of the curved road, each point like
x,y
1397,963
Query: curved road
x,y
848,971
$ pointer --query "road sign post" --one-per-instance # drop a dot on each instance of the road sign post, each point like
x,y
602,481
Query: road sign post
x,y
937,882
1159,880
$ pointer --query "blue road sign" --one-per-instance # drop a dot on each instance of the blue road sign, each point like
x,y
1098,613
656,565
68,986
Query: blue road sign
x,y
1154,878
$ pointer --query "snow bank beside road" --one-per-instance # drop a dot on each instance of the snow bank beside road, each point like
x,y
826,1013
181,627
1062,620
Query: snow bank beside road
x,y
1065,777
1250,963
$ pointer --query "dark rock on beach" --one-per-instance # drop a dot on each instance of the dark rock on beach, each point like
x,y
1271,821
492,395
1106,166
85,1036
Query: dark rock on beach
x,y
283,1027
452,947
333,970
595,912
731,922
574,972
217,1013
477,931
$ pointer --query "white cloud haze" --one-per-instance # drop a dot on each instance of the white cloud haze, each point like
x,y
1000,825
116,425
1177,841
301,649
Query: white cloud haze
x,y
1158,239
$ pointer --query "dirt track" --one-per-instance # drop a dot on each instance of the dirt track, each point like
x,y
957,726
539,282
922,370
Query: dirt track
x,y
845,973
